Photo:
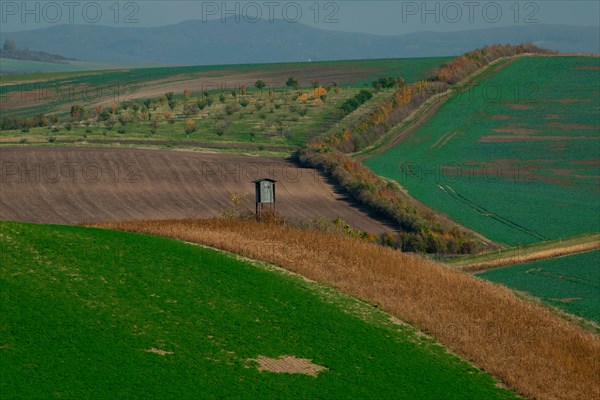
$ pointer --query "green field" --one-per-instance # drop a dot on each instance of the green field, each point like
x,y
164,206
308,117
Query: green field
x,y
571,283
10,65
81,307
514,157
412,69
24,69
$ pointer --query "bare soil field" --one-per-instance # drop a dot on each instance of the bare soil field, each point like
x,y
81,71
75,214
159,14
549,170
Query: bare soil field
x,y
83,185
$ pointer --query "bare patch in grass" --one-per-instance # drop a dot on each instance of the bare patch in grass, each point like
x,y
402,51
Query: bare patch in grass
x,y
518,130
500,117
595,162
530,138
520,106
158,351
570,101
588,68
288,365
570,126
567,299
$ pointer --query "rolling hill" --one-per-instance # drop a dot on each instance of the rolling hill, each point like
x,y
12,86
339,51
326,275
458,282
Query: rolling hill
x,y
195,42
88,313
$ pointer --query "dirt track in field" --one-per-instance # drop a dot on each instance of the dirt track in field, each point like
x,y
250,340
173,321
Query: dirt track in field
x,y
533,256
82,185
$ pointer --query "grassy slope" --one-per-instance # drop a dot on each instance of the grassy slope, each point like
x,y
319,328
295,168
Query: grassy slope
x,y
78,307
557,193
571,283
502,333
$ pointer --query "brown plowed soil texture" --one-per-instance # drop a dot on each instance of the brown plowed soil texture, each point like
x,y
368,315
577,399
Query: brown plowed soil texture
x,y
81,185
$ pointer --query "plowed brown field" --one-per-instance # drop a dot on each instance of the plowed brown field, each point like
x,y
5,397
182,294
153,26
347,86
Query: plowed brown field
x,y
80,185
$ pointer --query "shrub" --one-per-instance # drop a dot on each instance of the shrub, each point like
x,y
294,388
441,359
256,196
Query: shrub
x,y
231,108
292,82
260,84
222,127
190,109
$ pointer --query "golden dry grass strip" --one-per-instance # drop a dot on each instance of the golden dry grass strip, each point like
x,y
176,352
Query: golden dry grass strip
x,y
524,345
530,257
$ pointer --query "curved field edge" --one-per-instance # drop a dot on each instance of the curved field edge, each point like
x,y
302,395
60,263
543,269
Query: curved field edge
x,y
465,198
570,283
90,313
521,343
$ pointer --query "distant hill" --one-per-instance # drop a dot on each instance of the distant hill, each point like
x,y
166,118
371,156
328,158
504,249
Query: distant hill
x,y
214,42
11,51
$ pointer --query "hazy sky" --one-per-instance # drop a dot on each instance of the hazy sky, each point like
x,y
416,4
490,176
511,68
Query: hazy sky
x,y
376,17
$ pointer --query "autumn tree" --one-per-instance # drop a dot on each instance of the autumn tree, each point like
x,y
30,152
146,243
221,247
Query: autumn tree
x,y
169,117
190,126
